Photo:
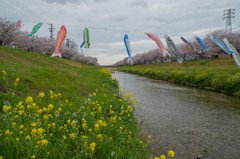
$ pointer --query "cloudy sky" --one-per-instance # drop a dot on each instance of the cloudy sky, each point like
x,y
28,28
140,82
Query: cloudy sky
x,y
109,20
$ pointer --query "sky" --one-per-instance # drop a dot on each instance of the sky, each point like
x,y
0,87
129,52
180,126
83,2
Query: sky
x,y
109,20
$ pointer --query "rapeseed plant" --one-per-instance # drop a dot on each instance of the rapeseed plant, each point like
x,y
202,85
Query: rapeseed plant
x,y
47,125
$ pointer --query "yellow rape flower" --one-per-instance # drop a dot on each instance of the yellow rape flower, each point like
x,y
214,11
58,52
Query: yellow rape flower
x,y
41,94
5,108
28,137
13,125
50,106
96,127
7,132
44,142
171,153
100,137
162,157
45,117
34,131
84,137
84,125
92,146
29,99
34,124
73,136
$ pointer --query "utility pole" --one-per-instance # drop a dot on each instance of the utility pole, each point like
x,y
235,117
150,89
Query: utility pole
x,y
228,14
68,43
51,30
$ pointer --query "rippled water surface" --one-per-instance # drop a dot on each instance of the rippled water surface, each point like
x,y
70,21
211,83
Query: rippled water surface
x,y
192,122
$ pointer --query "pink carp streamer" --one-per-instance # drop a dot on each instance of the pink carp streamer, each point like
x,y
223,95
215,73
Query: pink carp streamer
x,y
159,43
18,24
60,38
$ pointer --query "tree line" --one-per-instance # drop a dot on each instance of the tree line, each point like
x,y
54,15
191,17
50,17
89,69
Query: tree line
x,y
9,36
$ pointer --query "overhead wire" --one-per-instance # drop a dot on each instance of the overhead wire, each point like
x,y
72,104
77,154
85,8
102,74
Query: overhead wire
x,y
17,5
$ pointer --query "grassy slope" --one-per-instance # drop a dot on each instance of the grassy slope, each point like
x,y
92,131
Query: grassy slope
x,y
40,73
105,121
219,63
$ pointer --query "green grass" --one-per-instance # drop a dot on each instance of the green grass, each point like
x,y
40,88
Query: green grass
x,y
221,75
81,114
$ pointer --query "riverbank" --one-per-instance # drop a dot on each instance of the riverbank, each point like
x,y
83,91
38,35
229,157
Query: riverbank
x,y
220,75
57,108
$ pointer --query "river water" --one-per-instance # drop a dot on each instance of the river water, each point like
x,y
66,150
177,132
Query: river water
x,y
193,123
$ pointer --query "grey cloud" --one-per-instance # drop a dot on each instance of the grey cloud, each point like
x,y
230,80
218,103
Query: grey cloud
x,y
139,3
74,1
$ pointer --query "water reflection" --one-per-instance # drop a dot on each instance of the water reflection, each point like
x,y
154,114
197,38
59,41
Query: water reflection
x,y
192,122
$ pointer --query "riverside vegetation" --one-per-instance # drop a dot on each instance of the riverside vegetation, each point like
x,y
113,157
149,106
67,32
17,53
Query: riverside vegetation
x,y
220,75
57,108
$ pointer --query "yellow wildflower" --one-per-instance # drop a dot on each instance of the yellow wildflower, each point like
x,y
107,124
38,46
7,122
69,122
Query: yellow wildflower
x,y
50,106
171,153
84,137
29,99
13,125
92,146
44,142
73,136
100,137
64,137
44,109
33,156
7,132
34,131
156,158
21,126
5,108
28,137
17,139
40,131
34,124
162,157
45,117
41,94
96,127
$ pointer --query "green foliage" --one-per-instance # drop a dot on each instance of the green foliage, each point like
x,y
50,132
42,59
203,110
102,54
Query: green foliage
x,y
217,79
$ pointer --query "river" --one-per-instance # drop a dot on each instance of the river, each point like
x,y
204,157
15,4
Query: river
x,y
193,123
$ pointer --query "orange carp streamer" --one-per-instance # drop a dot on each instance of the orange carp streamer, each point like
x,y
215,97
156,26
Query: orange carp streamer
x,y
159,44
60,38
